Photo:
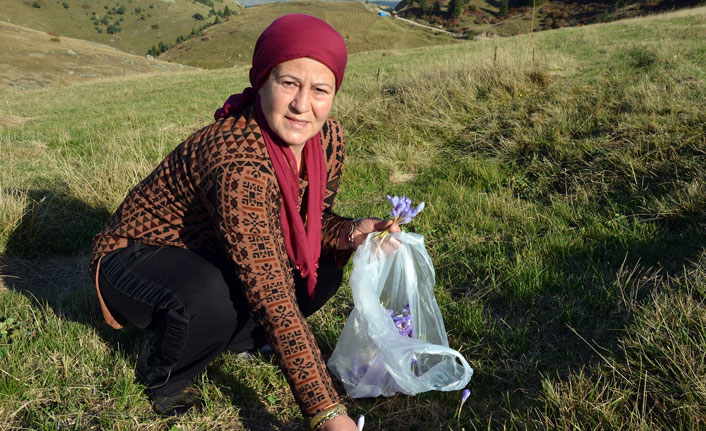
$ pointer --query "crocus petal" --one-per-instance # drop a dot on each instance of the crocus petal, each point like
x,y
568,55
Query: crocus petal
x,y
420,207
361,422
404,220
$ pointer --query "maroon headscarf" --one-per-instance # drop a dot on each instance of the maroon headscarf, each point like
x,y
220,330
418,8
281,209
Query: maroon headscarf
x,y
287,38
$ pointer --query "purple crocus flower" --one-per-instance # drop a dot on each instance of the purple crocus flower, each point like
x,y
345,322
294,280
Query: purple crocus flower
x,y
403,322
402,210
464,396
361,422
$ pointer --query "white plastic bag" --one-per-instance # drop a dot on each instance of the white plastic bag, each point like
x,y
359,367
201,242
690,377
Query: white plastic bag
x,y
371,357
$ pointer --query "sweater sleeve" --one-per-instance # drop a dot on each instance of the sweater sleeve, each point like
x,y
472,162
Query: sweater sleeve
x,y
246,212
332,223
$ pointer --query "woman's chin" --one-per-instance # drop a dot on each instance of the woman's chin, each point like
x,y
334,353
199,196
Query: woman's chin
x,y
294,139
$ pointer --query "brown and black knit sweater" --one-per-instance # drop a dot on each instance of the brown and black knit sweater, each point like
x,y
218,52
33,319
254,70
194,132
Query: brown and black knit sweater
x,y
217,192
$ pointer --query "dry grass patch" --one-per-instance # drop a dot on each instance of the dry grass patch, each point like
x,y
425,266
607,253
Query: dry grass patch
x,y
13,121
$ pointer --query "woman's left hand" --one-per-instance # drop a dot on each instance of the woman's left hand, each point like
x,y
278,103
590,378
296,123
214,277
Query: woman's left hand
x,y
367,225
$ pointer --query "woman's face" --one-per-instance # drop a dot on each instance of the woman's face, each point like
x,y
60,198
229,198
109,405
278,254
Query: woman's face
x,y
296,99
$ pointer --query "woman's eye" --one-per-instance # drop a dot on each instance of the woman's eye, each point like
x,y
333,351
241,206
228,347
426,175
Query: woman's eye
x,y
321,90
288,83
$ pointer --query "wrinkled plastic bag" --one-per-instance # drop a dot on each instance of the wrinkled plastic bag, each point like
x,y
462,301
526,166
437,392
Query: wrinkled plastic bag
x,y
371,357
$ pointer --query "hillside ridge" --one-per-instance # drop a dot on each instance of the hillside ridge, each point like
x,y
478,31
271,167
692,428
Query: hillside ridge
x,y
32,59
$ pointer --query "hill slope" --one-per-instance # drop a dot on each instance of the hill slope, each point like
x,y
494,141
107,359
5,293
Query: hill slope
x,y
32,59
231,43
137,24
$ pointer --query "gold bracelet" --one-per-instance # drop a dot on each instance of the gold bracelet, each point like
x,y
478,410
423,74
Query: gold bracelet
x,y
324,416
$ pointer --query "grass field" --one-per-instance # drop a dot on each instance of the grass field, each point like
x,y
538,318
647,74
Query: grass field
x,y
231,42
565,182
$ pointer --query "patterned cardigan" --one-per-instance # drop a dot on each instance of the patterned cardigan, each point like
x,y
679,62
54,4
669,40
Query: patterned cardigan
x,y
217,192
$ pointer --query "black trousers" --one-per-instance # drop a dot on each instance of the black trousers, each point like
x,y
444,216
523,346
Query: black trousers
x,y
194,304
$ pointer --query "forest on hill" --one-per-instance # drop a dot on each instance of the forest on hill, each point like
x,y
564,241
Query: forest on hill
x,y
511,17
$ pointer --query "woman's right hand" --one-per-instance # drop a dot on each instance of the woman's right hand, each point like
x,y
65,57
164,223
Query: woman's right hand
x,y
340,423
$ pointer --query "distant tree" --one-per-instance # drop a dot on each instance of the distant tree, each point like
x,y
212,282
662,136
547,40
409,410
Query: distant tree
x,y
455,8
66,5
121,10
112,29
198,17
217,20
104,20
227,12
436,8
423,6
138,10
36,4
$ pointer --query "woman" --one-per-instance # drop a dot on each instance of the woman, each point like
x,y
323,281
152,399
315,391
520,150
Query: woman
x,y
231,241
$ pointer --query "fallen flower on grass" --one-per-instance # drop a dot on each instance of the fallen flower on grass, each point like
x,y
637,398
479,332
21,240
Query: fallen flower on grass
x,y
464,396
361,422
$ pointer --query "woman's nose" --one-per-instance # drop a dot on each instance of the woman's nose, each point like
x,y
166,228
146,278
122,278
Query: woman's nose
x,y
301,102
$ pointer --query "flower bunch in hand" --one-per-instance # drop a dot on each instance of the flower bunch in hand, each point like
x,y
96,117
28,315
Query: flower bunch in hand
x,y
402,212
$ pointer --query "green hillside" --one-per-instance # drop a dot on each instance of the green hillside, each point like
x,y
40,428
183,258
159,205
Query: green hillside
x,y
33,59
132,26
231,43
564,177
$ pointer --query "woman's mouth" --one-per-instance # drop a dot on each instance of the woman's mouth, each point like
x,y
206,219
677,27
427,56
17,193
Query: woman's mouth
x,y
297,124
